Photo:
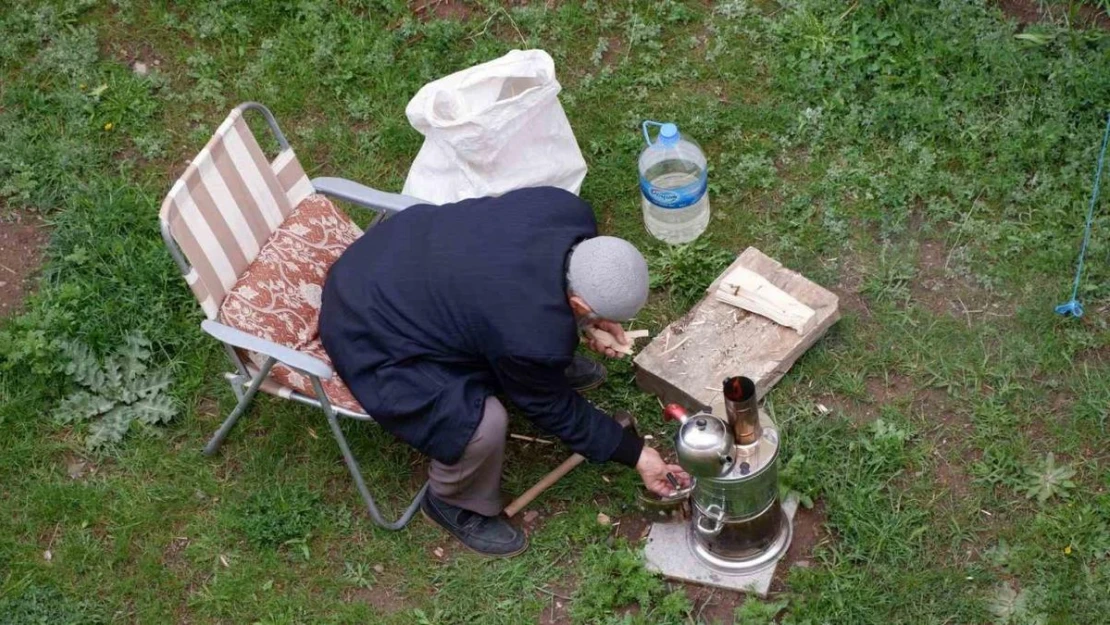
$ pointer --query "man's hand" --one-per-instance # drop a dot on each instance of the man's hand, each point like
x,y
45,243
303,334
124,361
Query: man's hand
x,y
654,472
600,347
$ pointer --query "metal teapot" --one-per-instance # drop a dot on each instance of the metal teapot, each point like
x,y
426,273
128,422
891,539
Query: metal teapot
x,y
704,443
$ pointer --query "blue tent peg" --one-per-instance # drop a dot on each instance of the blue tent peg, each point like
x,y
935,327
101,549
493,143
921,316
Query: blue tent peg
x,y
1073,308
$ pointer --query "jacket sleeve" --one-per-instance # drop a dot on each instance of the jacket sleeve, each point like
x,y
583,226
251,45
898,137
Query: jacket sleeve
x,y
538,387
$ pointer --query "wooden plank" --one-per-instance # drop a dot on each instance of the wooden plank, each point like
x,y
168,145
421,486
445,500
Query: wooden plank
x,y
747,289
688,361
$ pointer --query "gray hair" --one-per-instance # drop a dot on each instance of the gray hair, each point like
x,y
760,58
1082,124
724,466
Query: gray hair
x,y
611,276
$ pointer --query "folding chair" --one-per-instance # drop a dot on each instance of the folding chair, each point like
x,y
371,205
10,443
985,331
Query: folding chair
x,y
254,239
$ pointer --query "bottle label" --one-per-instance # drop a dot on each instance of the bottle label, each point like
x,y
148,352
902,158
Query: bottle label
x,y
677,197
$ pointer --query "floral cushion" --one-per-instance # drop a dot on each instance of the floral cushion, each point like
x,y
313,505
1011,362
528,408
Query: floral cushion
x,y
278,297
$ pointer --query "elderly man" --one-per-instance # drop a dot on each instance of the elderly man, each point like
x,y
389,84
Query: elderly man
x,y
437,311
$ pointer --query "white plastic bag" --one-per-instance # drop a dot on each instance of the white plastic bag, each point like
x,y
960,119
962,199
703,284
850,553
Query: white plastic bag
x,y
493,128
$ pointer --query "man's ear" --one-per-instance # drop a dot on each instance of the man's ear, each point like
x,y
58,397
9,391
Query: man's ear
x,y
579,306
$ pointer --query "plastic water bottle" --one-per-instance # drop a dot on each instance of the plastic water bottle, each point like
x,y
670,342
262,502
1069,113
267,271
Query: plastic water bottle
x,y
673,184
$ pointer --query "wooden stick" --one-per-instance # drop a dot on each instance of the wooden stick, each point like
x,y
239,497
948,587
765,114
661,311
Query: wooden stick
x,y
555,475
530,439
610,341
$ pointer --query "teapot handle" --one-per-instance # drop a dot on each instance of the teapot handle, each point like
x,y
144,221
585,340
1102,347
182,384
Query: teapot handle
x,y
714,513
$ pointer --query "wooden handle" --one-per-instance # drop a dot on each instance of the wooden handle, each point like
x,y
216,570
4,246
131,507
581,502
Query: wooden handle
x,y
554,476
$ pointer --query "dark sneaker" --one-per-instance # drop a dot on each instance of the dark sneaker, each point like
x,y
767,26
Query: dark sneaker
x,y
487,535
585,374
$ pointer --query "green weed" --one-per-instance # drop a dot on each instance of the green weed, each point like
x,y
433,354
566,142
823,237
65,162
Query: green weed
x,y
755,612
34,604
686,271
614,578
279,515
1049,480
117,393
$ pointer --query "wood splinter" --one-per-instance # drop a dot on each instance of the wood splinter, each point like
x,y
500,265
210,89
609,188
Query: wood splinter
x,y
610,341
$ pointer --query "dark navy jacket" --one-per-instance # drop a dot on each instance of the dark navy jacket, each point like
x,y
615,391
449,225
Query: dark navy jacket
x,y
439,307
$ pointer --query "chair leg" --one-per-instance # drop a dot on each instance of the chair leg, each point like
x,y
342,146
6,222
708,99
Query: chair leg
x,y
356,472
240,408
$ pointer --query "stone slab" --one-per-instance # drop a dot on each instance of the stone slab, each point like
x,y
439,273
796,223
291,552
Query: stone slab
x,y
668,553
687,362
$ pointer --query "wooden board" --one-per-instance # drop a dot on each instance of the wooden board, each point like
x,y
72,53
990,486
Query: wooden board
x,y
688,361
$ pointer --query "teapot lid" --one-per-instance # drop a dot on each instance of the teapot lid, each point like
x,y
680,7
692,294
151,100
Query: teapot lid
x,y
703,432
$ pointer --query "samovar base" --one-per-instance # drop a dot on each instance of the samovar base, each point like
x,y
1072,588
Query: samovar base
x,y
767,557
670,553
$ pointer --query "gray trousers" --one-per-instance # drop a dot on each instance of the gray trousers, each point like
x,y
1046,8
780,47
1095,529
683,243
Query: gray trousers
x,y
474,482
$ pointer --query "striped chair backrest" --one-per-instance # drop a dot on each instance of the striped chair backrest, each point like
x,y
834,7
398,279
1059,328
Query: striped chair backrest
x,y
224,208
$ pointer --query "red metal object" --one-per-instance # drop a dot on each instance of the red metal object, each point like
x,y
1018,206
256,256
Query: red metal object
x,y
674,412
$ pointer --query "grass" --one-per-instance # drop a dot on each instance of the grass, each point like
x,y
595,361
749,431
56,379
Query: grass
x,y
920,158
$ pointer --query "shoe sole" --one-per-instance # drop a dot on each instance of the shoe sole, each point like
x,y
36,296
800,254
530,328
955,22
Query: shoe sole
x,y
590,387
472,549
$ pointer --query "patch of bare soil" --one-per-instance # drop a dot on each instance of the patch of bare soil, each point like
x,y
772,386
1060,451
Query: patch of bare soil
x,y
1028,12
427,10
140,56
383,599
891,389
849,287
557,595
172,554
942,293
615,50
712,605
809,533
462,10
23,239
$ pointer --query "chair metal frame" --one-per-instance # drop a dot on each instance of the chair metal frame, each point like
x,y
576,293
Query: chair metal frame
x,y
245,384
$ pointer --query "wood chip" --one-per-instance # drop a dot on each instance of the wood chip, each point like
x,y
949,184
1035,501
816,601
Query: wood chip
x,y
677,345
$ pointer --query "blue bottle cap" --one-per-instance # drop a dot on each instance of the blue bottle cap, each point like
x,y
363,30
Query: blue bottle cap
x,y
668,133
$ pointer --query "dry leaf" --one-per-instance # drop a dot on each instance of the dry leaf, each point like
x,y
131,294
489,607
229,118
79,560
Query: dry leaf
x,y
223,561
604,519
312,433
76,469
